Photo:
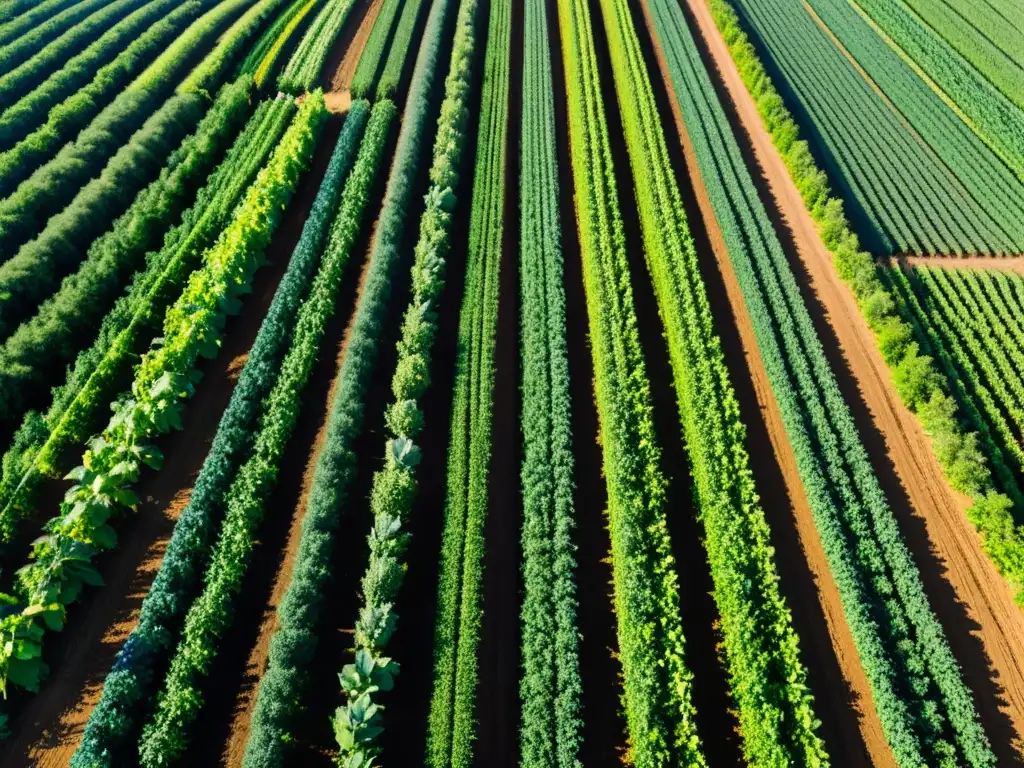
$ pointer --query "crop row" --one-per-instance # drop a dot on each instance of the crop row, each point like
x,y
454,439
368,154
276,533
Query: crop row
x,y
39,348
452,720
373,52
998,29
25,213
391,74
988,179
181,699
27,112
998,119
295,16
657,696
909,200
973,45
60,564
45,61
927,389
22,15
767,678
134,676
78,406
550,688
300,612
33,41
36,144
926,710
268,38
303,70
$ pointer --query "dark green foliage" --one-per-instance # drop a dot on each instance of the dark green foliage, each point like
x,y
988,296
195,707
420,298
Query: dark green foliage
x,y
33,129
550,687
301,608
54,56
373,52
35,272
391,75
79,404
41,346
28,43
927,712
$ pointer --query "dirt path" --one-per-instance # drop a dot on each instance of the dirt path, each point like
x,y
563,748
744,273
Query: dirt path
x,y
985,628
995,263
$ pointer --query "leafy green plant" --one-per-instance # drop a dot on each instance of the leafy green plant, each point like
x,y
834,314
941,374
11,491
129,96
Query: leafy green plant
x,y
303,70
373,52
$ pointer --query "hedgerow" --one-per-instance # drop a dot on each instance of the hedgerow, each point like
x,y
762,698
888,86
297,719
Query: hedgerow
x,y
20,15
60,564
299,613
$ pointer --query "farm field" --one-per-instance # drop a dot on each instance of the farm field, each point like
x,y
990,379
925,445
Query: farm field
x,y
479,383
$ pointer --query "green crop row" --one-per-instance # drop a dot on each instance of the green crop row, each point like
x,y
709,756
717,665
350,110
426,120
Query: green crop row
x,y
26,113
52,57
60,564
181,700
32,145
267,39
927,712
923,388
657,685
79,406
987,20
33,41
299,614
391,75
767,678
303,70
295,19
550,688
42,345
22,15
24,214
143,657
373,52
451,728
1000,120
212,69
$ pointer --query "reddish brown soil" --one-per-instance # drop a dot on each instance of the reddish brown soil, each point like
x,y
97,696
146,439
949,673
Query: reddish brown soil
x,y
351,43
1004,264
985,629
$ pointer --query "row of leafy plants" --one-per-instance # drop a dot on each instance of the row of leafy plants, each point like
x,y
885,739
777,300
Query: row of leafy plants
x,y
657,696
301,610
923,388
78,407
927,712
27,144
60,562
391,74
34,39
550,688
265,65
997,118
28,111
373,52
144,657
268,38
45,61
303,70
22,15
25,212
767,677
451,728
39,348
181,700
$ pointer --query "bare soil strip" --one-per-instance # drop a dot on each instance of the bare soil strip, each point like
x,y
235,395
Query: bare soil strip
x,y
993,263
985,628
